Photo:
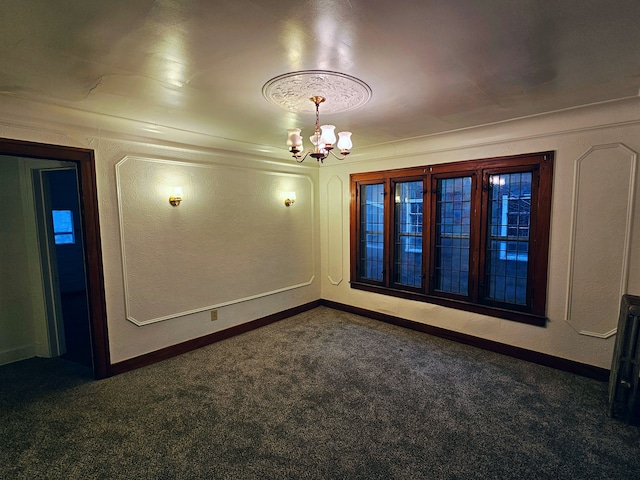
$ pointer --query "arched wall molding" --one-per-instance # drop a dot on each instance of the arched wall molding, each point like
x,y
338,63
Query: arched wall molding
x,y
595,280
335,214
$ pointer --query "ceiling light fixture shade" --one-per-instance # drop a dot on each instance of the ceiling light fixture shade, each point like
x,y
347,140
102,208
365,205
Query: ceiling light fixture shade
x,y
344,141
294,139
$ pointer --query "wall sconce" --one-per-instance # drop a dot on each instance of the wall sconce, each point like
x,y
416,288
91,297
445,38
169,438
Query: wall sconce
x,y
291,199
176,198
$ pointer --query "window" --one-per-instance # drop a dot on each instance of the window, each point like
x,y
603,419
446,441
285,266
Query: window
x,y
472,235
63,233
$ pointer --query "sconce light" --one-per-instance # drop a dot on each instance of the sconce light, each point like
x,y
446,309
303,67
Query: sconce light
x,y
176,198
291,199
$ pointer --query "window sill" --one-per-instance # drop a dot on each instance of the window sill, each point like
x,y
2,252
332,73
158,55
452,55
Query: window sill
x,y
522,317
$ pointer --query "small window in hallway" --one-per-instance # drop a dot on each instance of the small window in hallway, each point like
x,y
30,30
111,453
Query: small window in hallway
x,y
63,227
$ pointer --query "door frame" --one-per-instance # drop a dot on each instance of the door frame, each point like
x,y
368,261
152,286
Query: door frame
x,y
85,160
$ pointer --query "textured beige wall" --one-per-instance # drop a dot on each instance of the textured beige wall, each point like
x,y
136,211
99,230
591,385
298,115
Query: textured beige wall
x,y
231,239
277,266
231,245
609,135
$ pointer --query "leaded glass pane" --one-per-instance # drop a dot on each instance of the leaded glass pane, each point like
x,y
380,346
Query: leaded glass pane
x,y
372,231
453,221
507,255
408,234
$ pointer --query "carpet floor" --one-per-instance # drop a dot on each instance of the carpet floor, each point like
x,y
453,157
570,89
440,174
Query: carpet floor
x,y
321,395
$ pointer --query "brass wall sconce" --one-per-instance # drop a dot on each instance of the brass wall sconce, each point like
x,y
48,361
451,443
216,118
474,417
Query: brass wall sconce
x,y
176,198
291,199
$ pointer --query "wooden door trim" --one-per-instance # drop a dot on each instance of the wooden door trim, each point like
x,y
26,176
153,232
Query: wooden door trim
x,y
85,160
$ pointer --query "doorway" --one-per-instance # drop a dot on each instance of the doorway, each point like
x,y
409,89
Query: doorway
x,y
62,255
87,232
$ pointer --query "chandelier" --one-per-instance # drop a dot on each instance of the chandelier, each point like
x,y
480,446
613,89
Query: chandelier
x,y
322,139
292,91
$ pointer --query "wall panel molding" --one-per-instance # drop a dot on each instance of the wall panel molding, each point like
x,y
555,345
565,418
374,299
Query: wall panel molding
x,y
604,191
335,213
228,239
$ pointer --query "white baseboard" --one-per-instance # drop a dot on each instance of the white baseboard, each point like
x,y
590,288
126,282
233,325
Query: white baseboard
x,y
15,354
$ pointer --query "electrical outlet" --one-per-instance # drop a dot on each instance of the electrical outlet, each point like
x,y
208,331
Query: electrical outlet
x,y
214,315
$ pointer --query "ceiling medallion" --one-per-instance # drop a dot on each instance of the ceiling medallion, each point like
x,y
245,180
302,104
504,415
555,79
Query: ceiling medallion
x,y
292,91
337,92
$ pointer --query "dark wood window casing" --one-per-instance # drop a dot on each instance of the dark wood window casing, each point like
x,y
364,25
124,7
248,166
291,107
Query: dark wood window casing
x,y
475,238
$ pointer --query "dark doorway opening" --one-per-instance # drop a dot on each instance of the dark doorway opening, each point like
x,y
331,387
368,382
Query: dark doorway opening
x,y
62,253
96,351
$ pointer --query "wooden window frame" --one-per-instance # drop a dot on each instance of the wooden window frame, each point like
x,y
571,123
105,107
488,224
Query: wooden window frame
x,y
540,164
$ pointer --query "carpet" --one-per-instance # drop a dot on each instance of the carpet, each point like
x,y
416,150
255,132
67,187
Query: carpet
x,y
321,395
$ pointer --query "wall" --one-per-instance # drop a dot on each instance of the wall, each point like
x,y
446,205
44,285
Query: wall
x,y
159,294
232,245
17,339
595,230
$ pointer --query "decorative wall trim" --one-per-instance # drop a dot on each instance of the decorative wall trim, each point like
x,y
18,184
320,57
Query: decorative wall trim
x,y
335,213
626,234
217,305
170,315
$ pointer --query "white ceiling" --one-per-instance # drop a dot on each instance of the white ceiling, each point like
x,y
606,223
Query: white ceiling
x,y
433,66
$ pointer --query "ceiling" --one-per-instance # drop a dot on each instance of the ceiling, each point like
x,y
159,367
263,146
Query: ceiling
x,y
433,66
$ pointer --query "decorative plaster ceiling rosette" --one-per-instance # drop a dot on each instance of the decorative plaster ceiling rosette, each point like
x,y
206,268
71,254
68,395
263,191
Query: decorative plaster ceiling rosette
x,y
292,91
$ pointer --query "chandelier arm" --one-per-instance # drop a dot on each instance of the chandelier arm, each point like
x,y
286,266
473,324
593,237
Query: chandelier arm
x,y
336,156
301,159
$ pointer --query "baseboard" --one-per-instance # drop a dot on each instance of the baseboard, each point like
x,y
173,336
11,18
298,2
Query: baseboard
x,y
16,354
597,373
189,345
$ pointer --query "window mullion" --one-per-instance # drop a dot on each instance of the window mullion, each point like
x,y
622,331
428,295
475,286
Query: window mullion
x,y
388,232
481,226
426,233
535,250
431,272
